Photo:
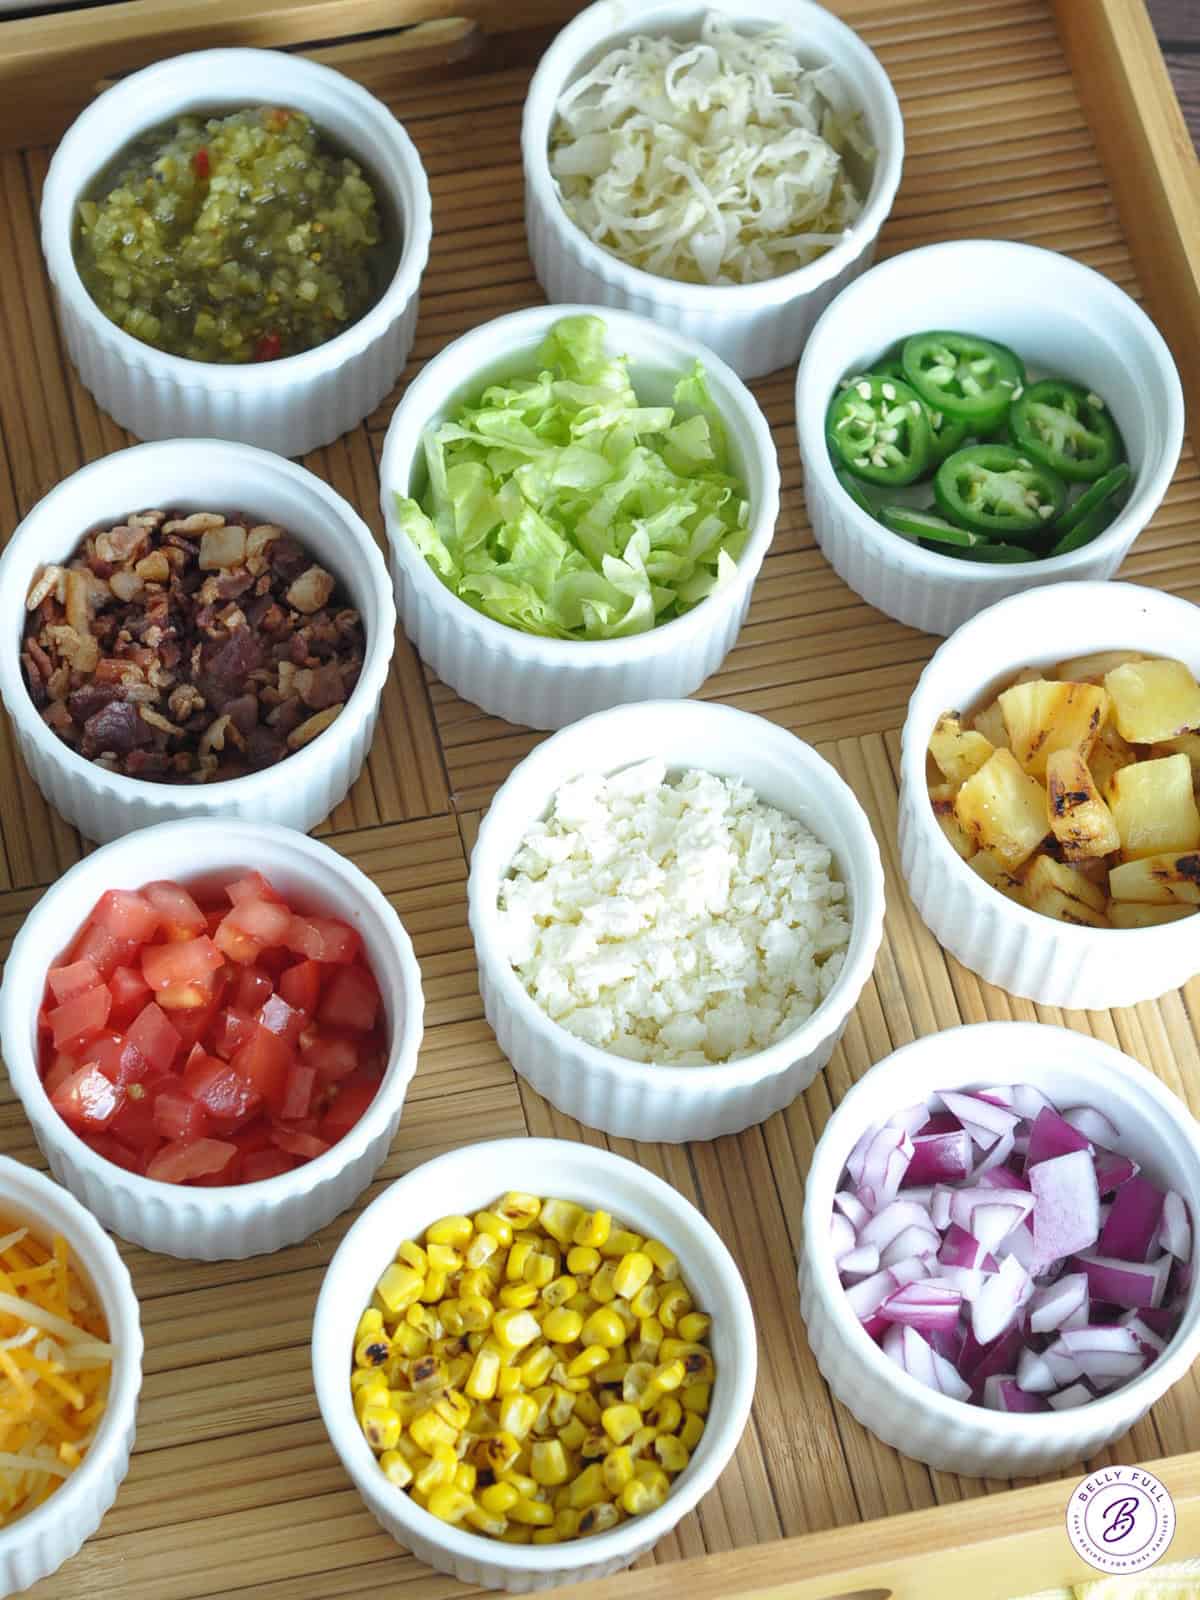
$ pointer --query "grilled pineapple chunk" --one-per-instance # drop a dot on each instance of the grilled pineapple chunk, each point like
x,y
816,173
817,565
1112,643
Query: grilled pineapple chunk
x,y
1130,914
1091,669
1003,809
1043,717
1187,744
1082,823
990,723
997,874
942,796
1109,754
957,751
1057,890
1154,700
1161,880
1154,807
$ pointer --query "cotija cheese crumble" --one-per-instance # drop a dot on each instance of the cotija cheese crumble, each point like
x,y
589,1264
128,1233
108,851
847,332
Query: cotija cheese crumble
x,y
680,922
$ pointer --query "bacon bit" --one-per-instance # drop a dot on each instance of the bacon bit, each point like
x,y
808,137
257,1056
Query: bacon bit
x,y
268,347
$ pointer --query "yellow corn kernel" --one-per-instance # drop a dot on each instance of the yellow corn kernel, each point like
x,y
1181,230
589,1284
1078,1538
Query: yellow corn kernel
x,y
562,1409
540,1269
396,1469
518,1413
444,1257
599,1518
464,1477
613,1371
633,1274
438,1470
595,1446
601,1287
476,1313
519,1296
514,1329
618,1469
643,1440
484,1522
449,1504
508,1382
641,1495
586,1362
664,1380
698,1363
380,1426
604,1328
665,1262
544,1536
581,1302
583,1260
633,1385
412,1452
518,1209
548,1462
588,1488
620,1422
481,1249
692,1430
514,1267
459,1370
566,1522
370,1322
500,1230
429,1429
434,1288
427,1375
364,1377
496,1453
645,1302
478,1281
587,1407
515,1535
650,1332
522,1483
485,1375
372,1350
410,1343
544,1396
498,1498
560,1218
537,1366
562,1326
455,1231
620,1242
697,1397
673,1303
667,1414
572,1433
411,1255
453,1408
451,1318
693,1327
559,1291
592,1228
399,1287
672,1453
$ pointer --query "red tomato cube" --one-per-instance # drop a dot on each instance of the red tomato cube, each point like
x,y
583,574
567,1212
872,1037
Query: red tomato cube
x,y
134,1122
252,887
350,999
223,1093
178,914
155,1039
80,1019
118,1060
87,1099
190,1158
189,961
333,1057
297,1096
322,939
261,1164
110,1149
103,949
300,986
234,944
126,915
130,992
177,1115
66,982
354,1095
264,1061
267,921
231,1030
298,1143
279,1018
59,1070
254,988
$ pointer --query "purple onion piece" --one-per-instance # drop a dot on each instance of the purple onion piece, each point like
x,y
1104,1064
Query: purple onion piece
x,y
985,1122
860,1262
1093,1126
1053,1306
841,1236
1066,1211
1003,1393
1052,1135
939,1158
852,1209
1133,1223
1067,1399
1112,1170
893,1220
1132,1285
994,1309
1175,1235
922,1306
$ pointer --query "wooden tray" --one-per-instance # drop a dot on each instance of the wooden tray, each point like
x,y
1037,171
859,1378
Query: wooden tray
x,y
234,1489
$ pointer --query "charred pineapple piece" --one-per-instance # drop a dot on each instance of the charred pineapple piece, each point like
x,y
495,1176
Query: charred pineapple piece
x,y
1092,669
1003,809
990,723
1131,914
1154,700
1108,755
997,874
1043,717
1057,890
957,751
1161,880
1154,807
1187,744
942,796
1079,818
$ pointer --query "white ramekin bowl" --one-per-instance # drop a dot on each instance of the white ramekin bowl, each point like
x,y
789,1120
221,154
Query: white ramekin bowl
x,y
198,475
226,1223
465,1181
546,683
632,1099
1038,957
291,405
1071,1069
756,327
1061,318
38,1544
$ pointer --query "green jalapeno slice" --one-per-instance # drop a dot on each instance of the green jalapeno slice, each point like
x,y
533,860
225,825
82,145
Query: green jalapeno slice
x,y
878,429
992,488
963,376
1065,428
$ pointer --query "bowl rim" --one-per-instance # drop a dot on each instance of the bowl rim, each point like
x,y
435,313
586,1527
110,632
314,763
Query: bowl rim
x,y
932,837
95,1252
525,1155
213,1202
1108,1410
427,393
358,552
402,174
557,68
955,256
868,908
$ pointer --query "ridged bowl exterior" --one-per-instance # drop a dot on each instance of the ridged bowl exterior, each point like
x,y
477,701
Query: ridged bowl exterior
x,y
37,1544
199,475
1019,950
548,683
1071,1069
466,1180
292,405
756,328
228,1223
1060,316
630,1099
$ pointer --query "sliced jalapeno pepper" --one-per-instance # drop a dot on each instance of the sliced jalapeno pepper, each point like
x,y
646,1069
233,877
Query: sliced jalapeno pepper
x,y
1101,493
889,365
1081,533
992,488
963,375
1067,429
878,430
855,490
910,523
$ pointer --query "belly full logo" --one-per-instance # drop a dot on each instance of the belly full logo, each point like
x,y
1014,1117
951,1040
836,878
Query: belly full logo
x,y
1121,1520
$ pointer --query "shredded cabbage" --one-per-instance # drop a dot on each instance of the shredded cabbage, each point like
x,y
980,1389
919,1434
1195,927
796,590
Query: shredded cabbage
x,y
718,161
560,505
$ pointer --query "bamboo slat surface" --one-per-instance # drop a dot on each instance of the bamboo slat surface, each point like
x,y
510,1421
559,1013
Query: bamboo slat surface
x,y
234,1490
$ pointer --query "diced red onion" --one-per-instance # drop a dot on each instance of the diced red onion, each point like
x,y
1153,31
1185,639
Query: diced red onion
x,y
841,1236
1104,1354
1066,1211
852,1209
1056,1304
911,1269
914,1241
1003,1178
867,1297
981,1362
962,1249
948,1379
967,1280
1152,1343
892,1221
1112,1170
1002,1393
1067,1399
911,1119
1092,1125
1134,1285
1052,1135
996,1305
996,1156
940,1157
1061,1363
922,1306
1132,1225
991,1223
857,1156
1028,1101
860,1262
984,1121
939,1207
1034,1373
1175,1235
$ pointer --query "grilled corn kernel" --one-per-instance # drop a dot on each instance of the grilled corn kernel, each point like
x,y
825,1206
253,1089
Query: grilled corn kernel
x,y
633,1273
599,1518
619,1243
601,1287
588,1359
428,1430
587,1407
381,1426
533,1513
643,1440
451,1318
560,1218
455,1231
485,1374
434,1287
572,1433
620,1422
367,1377
515,1535
540,1269
453,1408
518,1413
618,1469
692,1430
499,1228
595,1446
519,1296
583,1260
449,1504
537,1366
697,1397
562,1408
518,1209
484,1522
645,1302
400,1286
588,1488
650,1332
481,1249
613,1370
548,1462
372,1350
410,1343
665,1262
444,1257
667,1414
604,1327
544,1536
672,1453
498,1498
665,1378
566,1522
562,1326
522,1483
592,1228
639,1496
633,1385
581,1302
559,1291
674,1303
396,1469
496,1453
476,1313
478,1281
693,1327
427,1375
370,1322
438,1470
514,1329
514,1266
465,1476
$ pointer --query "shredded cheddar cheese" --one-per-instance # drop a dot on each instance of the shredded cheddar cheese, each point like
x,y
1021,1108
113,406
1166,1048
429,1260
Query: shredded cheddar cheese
x,y
55,1365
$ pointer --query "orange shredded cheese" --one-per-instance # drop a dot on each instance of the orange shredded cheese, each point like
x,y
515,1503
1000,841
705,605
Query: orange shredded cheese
x,y
55,1365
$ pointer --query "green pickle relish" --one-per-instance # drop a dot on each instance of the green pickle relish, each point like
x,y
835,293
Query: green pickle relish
x,y
235,238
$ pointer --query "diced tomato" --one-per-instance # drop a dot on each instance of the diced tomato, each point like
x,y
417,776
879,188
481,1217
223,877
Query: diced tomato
x,y
190,961
130,992
103,949
110,1149
354,1095
177,1115
265,920
80,1019
261,1164
233,1029
190,1158
300,986
57,1073
87,1099
119,1061
297,1096
134,1122
254,988
253,886
333,1057
322,939
184,997
126,915
268,347
66,982
194,1025
212,921
256,1137
223,1093
264,1061
178,914
305,1145
279,1018
235,944
350,999
152,1034
201,165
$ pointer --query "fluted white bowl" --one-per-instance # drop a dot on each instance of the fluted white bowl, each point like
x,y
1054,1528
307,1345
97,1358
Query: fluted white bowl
x,y
198,475
755,327
546,683
232,1221
467,1180
291,405
1059,316
37,1544
1071,1069
633,1099
1038,957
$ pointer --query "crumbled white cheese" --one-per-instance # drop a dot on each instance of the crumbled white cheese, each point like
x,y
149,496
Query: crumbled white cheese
x,y
682,923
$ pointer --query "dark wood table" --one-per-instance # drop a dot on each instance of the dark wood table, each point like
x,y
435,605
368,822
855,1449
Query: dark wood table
x,y
1177,23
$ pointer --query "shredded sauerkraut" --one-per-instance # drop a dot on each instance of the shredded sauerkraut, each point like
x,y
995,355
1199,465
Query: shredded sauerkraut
x,y
721,160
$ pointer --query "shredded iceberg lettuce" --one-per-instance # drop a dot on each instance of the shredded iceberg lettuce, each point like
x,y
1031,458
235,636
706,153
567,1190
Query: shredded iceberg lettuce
x,y
719,161
560,505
